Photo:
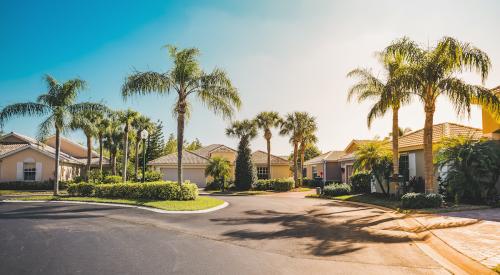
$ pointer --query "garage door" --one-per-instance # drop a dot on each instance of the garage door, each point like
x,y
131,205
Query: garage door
x,y
194,175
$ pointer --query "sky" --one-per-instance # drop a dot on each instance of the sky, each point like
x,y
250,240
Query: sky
x,y
290,55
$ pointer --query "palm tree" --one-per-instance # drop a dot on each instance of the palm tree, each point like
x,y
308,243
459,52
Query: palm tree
x,y
431,72
306,128
58,103
374,156
289,127
307,140
102,126
113,139
389,95
126,117
186,78
266,121
219,168
139,124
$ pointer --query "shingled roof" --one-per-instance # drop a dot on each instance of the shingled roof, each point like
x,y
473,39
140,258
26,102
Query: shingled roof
x,y
260,157
187,158
328,156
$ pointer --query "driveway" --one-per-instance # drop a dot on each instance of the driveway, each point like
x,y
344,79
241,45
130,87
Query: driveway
x,y
253,235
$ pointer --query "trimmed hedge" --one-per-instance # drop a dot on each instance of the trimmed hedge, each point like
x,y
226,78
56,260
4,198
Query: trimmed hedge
x,y
112,179
419,200
152,176
336,189
83,189
31,185
162,190
361,183
280,185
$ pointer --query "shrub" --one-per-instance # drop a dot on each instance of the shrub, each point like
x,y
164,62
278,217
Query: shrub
x,y
214,185
337,189
361,183
419,200
95,176
32,185
152,176
82,189
161,190
282,185
262,185
78,179
112,179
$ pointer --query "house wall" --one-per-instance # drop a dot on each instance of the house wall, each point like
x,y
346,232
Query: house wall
x,y
231,156
333,171
8,166
280,171
68,147
490,125
347,166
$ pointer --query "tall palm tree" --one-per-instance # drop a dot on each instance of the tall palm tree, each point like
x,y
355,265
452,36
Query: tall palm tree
x,y
432,72
58,106
113,139
389,95
126,117
186,78
102,126
266,121
307,140
289,127
139,124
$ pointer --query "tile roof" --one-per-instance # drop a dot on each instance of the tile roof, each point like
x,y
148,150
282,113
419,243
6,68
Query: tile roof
x,y
7,148
206,150
328,156
260,157
439,131
187,158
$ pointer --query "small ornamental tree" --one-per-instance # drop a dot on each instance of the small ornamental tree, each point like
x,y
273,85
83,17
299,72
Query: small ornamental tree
x,y
245,173
219,168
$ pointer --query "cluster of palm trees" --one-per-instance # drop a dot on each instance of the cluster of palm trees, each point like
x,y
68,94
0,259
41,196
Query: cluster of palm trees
x,y
425,73
300,127
61,112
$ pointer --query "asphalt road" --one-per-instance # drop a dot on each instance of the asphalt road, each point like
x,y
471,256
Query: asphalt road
x,y
253,235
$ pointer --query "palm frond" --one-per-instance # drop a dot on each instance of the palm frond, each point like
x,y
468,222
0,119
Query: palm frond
x,y
23,109
87,107
218,94
46,128
141,83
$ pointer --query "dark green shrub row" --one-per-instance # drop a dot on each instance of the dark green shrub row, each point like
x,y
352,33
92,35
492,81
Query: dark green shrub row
x,y
216,185
280,185
336,189
31,185
152,176
162,190
361,183
419,200
83,189
112,179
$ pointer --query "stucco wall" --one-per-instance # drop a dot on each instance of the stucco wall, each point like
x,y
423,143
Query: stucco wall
x,y
333,171
9,165
280,171
231,156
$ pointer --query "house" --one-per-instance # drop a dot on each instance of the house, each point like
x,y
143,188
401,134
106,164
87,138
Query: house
x,y
491,126
195,162
23,158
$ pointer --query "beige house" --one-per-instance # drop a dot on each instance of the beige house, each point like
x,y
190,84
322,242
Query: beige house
x,y
195,162
23,158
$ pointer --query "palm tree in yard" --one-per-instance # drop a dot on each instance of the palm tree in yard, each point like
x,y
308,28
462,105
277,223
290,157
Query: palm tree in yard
x,y
186,79
388,94
57,105
139,124
220,169
266,121
307,140
102,125
126,117
432,72
113,138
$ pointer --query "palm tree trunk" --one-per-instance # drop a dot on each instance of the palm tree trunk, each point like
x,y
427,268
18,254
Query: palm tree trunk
x,y
295,176
395,145
428,165
89,156
180,142
100,153
56,171
268,158
113,163
137,141
302,156
125,155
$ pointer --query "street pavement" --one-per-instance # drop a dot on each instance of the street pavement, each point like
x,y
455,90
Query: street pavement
x,y
253,235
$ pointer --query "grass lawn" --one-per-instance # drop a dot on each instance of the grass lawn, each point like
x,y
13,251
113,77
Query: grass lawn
x,y
200,203
27,192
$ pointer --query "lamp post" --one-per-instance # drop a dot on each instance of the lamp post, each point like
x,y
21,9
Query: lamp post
x,y
144,136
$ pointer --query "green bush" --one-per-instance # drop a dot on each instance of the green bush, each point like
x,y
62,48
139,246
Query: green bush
x,y
419,200
31,185
361,183
282,185
112,179
245,172
161,190
336,189
95,176
82,189
152,176
215,185
262,185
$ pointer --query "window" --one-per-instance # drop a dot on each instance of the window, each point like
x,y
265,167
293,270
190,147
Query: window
x,y
314,172
262,173
29,171
404,167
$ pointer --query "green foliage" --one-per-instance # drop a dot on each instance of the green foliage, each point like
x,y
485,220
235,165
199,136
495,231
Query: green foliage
x,y
361,182
472,168
376,158
155,142
310,152
216,185
31,185
95,176
337,189
83,189
419,201
280,185
220,170
170,145
194,145
245,172
112,179
151,176
163,190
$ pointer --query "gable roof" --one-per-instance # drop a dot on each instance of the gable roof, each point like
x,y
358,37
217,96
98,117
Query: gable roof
x,y
187,158
260,157
415,139
22,138
355,142
207,150
329,156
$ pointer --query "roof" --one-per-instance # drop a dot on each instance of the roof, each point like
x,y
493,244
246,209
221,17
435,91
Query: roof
x,y
260,157
328,156
356,142
7,148
187,158
207,150
415,139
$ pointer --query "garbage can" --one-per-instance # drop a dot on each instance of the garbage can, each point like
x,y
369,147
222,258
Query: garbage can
x,y
318,191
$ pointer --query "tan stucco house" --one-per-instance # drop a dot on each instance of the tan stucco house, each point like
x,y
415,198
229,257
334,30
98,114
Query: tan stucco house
x,y
195,162
23,158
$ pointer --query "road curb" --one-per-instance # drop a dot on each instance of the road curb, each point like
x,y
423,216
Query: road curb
x,y
151,209
439,250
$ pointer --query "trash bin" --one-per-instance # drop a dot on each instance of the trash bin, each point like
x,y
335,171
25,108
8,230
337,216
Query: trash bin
x,y
318,191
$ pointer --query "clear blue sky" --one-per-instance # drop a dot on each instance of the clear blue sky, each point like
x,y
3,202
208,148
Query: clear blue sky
x,y
281,55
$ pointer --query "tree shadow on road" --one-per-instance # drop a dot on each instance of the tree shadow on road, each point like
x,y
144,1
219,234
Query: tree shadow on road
x,y
53,211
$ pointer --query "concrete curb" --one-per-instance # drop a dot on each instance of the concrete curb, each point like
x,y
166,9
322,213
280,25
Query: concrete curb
x,y
156,210
433,246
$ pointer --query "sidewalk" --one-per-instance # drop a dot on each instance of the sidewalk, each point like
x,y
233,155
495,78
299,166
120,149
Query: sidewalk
x,y
475,234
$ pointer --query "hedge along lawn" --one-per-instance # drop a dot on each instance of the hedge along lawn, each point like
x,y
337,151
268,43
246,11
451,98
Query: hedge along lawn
x,y
28,192
201,203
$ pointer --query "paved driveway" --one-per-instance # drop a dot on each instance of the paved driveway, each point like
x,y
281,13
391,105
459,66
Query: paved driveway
x,y
253,235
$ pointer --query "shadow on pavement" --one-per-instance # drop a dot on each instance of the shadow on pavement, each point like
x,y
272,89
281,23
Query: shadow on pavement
x,y
51,211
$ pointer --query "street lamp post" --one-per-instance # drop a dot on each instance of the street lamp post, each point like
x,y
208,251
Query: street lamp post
x,y
144,136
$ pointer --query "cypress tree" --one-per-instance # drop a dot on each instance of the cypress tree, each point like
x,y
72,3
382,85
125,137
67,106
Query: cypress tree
x,y
156,142
245,172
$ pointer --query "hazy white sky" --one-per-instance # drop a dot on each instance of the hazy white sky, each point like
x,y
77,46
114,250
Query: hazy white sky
x,y
281,55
